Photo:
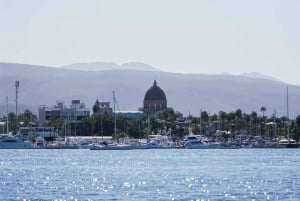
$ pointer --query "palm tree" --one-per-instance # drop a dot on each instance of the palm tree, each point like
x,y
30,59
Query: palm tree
x,y
253,120
263,110
205,118
223,117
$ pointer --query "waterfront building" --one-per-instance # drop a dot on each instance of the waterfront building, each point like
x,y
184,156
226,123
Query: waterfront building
x,y
71,115
155,100
130,114
102,108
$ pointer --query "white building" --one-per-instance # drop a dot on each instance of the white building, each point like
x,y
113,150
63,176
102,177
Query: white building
x,y
71,115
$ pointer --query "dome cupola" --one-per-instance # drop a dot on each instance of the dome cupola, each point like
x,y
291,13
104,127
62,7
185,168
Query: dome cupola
x,y
155,100
155,93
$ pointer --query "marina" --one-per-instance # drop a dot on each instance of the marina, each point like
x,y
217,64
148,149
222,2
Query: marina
x,y
157,142
152,127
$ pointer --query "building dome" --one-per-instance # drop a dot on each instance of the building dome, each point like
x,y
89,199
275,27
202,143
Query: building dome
x,y
155,93
155,100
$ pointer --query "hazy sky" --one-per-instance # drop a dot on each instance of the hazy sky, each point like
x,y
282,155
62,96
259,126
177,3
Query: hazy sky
x,y
201,36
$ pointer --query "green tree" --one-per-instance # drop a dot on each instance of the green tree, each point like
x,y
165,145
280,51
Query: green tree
x,y
297,121
27,118
238,113
214,117
96,107
204,116
58,124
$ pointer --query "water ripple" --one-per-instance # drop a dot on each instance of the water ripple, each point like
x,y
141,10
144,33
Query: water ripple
x,y
150,175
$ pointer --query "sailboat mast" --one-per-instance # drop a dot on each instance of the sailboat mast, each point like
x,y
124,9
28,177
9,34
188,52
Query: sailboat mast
x,y
287,111
7,114
200,121
115,119
274,124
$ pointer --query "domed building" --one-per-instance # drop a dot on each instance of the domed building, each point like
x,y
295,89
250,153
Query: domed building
x,y
155,100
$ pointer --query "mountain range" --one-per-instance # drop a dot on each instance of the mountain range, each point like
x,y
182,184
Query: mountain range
x,y
186,93
99,66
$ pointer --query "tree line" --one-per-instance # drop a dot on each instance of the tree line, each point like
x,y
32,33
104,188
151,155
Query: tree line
x,y
235,122
27,118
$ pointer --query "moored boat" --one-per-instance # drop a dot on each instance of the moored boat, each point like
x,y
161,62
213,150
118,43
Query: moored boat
x,y
13,142
106,146
287,143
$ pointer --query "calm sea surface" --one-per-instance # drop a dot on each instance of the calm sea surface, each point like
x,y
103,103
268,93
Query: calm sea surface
x,y
243,174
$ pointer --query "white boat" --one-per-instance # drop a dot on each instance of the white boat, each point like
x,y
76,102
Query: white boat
x,y
84,144
105,146
40,143
61,143
196,142
9,141
13,142
191,141
287,143
153,144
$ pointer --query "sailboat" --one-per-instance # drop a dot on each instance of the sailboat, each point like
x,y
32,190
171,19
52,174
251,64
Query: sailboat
x,y
9,141
112,146
288,143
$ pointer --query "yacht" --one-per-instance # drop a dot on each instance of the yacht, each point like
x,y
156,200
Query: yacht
x,y
84,144
40,143
106,146
159,141
8,141
153,144
287,143
192,141
198,142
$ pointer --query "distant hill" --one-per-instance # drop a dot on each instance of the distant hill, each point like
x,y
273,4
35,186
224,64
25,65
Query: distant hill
x,y
99,66
259,75
186,93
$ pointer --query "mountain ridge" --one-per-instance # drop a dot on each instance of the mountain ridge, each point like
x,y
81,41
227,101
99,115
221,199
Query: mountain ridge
x,y
100,66
185,92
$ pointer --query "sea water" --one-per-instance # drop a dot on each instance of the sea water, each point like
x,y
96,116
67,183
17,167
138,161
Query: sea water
x,y
174,174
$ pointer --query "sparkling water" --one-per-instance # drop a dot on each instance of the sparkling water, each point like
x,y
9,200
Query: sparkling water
x,y
172,174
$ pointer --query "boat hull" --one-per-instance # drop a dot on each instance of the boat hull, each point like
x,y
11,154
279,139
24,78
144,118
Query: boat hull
x,y
112,147
213,146
15,146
